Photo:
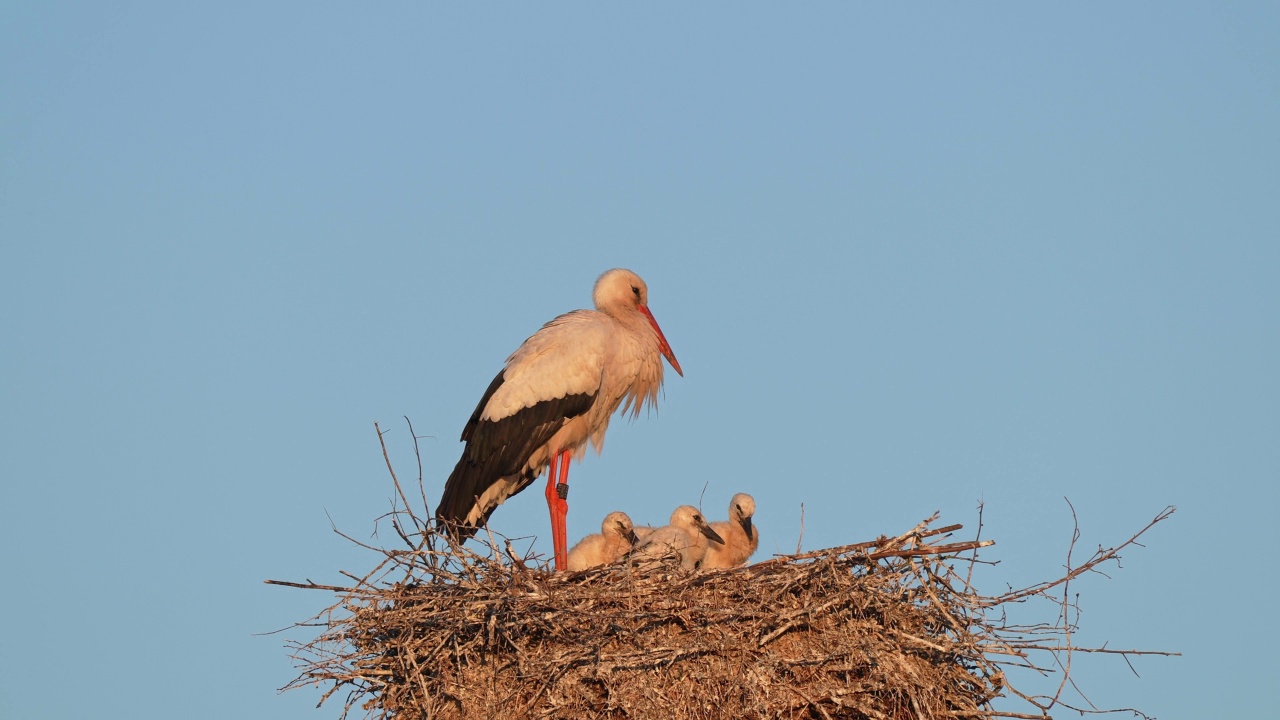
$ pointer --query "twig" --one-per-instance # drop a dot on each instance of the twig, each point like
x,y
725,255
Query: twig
x,y
800,539
1100,557
308,585
417,454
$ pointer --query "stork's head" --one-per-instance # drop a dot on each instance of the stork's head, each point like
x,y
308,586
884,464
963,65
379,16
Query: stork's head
x,y
689,518
620,292
619,523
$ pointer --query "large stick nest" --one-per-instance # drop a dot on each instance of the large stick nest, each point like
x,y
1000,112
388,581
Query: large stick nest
x,y
885,629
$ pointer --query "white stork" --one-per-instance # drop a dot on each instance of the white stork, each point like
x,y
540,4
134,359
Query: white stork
x,y
688,536
556,393
741,538
611,544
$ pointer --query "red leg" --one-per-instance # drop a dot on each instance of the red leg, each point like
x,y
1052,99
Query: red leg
x,y
562,508
553,506
558,505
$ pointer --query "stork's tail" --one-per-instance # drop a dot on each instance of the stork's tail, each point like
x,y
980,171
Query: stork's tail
x,y
471,494
458,501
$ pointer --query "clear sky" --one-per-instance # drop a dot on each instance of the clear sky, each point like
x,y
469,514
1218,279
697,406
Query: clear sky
x,y
911,259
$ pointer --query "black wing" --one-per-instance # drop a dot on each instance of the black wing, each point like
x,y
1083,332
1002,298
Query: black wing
x,y
498,451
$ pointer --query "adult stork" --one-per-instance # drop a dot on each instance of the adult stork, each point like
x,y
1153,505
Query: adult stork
x,y
556,393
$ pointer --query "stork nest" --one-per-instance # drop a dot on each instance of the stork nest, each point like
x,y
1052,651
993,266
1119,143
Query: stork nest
x,y
885,629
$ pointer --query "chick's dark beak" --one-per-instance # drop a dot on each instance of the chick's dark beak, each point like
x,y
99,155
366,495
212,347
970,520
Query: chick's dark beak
x,y
712,534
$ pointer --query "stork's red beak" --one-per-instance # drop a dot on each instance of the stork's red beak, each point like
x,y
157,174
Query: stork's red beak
x,y
662,341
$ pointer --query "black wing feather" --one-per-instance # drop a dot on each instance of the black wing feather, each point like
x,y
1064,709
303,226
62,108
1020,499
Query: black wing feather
x,y
500,449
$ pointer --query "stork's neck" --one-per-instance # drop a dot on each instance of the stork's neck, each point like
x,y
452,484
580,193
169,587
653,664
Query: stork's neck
x,y
629,316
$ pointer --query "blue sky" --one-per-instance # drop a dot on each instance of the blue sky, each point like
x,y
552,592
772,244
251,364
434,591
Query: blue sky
x,y
911,259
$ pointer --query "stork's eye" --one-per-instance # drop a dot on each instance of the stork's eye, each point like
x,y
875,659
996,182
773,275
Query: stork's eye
x,y
636,290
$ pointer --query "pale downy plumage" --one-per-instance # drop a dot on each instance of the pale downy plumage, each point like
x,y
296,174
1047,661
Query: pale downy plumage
x,y
741,537
687,536
611,544
556,394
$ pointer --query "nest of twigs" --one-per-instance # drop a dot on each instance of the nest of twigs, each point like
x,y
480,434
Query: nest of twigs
x,y
886,629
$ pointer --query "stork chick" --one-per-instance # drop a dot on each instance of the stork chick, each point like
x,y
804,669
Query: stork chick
x,y
611,544
741,538
688,536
